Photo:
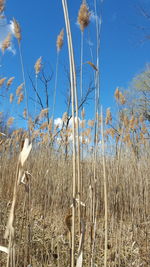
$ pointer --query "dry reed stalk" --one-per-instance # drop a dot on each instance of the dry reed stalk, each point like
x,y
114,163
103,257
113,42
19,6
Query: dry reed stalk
x,y
6,43
105,192
59,44
81,243
17,32
73,89
83,20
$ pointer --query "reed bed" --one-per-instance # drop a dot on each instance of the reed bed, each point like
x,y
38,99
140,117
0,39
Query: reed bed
x,y
50,204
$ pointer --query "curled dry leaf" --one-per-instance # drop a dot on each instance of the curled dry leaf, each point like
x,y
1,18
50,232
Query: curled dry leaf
x,y
4,249
92,65
25,151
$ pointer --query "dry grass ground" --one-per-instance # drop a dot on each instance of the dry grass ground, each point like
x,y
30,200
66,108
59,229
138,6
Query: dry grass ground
x,y
42,237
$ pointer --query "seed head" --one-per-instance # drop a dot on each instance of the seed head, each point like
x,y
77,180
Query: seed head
x,y
83,113
2,81
117,93
17,30
2,5
108,116
60,40
25,113
20,98
132,122
44,125
122,98
10,121
11,98
9,82
83,16
19,89
43,113
65,117
6,43
91,123
38,65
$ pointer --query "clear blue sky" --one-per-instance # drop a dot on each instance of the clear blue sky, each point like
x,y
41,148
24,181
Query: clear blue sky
x,y
122,55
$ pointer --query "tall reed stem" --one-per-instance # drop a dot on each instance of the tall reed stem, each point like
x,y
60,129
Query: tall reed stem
x,y
105,191
24,81
73,89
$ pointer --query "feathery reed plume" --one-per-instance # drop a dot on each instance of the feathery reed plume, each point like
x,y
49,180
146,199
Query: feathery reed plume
x,y
83,113
112,132
126,121
10,121
65,117
60,40
50,125
2,5
122,99
17,30
108,116
6,43
2,81
83,16
117,94
43,113
11,98
19,89
44,125
91,123
20,98
38,65
9,82
132,122
25,113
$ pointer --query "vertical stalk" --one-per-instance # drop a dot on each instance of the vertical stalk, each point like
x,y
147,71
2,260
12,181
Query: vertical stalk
x,y
73,92
54,97
24,81
105,191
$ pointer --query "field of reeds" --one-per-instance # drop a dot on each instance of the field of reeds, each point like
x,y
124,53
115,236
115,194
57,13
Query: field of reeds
x,y
75,194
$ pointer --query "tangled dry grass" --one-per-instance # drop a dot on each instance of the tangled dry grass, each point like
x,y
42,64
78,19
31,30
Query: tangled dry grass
x,y
42,236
